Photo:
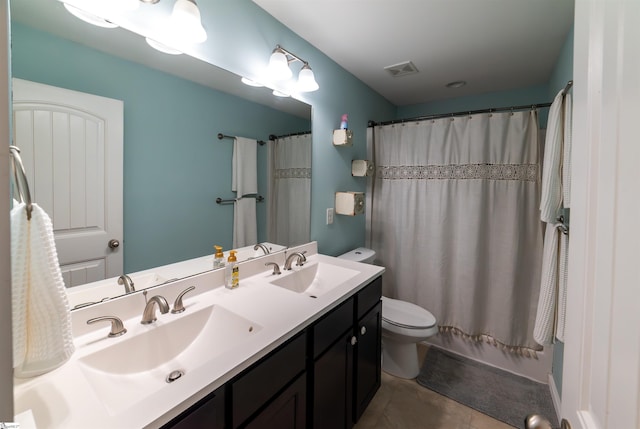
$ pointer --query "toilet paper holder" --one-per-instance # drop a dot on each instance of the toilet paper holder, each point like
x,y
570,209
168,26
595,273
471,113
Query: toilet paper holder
x,y
349,203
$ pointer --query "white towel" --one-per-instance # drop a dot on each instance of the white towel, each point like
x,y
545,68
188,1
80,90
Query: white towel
x,y
566,152
245,224
556,185
42,337
551,196
552,302
244,179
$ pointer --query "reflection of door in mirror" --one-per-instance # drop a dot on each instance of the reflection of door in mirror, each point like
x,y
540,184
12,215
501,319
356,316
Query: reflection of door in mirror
x,y
74,141
289,210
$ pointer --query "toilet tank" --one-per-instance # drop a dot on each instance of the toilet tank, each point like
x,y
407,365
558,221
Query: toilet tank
x,y
361,254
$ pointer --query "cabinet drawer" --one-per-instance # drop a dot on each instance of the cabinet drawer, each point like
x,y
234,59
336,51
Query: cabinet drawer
x,y
369,296
260,383
332,325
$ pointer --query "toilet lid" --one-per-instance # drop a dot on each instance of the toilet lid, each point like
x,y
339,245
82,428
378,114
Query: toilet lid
x,y
406,314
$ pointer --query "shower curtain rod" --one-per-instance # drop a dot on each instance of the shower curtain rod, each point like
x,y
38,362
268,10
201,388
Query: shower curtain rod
x,y
224,136
275,137
470,112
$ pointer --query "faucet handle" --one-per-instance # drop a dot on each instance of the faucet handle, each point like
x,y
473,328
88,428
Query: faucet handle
x,y
117,328
276,268
178,307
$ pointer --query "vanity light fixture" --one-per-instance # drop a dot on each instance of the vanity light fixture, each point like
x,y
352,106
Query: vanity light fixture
x,y
162,47
250,82
95,11
185,22
89,17
279,69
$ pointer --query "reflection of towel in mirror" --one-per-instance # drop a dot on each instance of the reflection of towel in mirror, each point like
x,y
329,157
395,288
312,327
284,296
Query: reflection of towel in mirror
x,y
245,224
244,179
42,338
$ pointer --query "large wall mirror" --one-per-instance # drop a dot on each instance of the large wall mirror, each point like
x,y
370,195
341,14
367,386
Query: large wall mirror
x,y
173,165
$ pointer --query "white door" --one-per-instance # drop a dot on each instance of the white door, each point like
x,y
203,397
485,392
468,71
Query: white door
x,y
601,374
71,145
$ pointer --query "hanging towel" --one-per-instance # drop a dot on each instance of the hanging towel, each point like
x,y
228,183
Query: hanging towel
x,y
245,224
551,195
42,337
244,179
544,328
550,317
566,155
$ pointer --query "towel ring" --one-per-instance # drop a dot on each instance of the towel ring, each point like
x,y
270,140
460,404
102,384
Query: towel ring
x,y
21,179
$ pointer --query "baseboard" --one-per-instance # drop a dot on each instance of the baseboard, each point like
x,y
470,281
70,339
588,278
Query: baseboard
x,y
557,403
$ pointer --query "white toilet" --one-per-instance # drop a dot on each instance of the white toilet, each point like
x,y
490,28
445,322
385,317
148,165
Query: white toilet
x,y
404,325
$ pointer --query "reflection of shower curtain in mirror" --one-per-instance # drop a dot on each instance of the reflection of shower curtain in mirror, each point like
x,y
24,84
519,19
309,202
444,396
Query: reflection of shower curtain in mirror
x,y
289,206
455,222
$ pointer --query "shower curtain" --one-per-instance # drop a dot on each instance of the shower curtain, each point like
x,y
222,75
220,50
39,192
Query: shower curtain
x,y
454,219
289,207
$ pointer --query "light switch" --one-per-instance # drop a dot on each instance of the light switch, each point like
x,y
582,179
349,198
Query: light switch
x,y
329,216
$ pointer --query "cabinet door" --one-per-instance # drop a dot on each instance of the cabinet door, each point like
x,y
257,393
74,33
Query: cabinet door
x,y
285,411
206,414
333,385
367,364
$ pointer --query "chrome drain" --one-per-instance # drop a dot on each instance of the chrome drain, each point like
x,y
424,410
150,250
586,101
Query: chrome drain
x,y
174,375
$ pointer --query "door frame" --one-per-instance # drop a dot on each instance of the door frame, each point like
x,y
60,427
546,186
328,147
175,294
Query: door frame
x,y
600,369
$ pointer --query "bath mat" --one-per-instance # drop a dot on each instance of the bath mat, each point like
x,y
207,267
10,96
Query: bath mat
x,y
499,394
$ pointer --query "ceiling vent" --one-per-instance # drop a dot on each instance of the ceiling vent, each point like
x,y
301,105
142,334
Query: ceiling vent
x,y
402,69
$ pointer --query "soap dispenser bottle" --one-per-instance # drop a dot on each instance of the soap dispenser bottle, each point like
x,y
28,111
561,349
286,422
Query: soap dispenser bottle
x,y
232,272
218,258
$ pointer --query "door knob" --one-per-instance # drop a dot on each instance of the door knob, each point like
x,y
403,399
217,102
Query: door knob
x,y
363,330
113,243
354,340
536,421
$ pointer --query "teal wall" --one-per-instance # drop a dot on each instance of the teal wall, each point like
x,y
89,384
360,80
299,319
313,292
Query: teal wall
x,y
241,37
174,166
562,73
537,94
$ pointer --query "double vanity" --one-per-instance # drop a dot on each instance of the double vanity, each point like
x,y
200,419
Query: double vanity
x,y
291,350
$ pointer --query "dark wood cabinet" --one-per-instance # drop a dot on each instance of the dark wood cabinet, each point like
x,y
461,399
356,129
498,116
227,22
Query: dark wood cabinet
x,y
367,362
346,374
287,410
257,387
322,378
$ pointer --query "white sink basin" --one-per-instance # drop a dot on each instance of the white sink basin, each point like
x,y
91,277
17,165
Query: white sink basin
x,y
133,368
314,278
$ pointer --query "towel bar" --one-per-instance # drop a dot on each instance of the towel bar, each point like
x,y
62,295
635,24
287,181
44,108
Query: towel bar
x,y
259,199
224,136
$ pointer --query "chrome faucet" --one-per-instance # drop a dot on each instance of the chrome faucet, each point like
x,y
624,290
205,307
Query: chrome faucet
x,y
149,313
301,259
264,248
127,282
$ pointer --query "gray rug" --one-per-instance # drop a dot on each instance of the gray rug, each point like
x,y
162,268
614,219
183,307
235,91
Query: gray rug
x,y
497,393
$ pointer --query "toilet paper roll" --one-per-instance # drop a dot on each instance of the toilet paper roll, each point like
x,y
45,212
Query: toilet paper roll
x,y
349,203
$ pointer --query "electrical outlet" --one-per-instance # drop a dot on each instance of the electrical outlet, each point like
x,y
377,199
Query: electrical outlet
x,y
329,216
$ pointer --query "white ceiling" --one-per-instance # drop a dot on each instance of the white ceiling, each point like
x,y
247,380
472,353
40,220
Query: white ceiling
x,y
493,45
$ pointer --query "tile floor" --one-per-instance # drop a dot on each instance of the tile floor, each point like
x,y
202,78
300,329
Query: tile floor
x,y
404,404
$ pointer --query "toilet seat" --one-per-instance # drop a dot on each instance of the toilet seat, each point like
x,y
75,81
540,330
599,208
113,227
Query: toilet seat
x,y
406,315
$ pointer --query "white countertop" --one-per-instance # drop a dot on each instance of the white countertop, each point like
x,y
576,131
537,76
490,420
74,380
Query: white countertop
x,y
66,398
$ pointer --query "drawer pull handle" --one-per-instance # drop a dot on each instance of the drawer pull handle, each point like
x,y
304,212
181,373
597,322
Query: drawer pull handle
x,y
363,330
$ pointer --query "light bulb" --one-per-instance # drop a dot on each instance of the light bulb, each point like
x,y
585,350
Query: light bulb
x,y
185,22
306,80
278,68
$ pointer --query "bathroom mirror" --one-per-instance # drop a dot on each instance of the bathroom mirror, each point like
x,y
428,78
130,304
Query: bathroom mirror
x,y
175,167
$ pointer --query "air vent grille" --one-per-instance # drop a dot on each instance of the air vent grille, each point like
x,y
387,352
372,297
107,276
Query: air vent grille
x,y
402,69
